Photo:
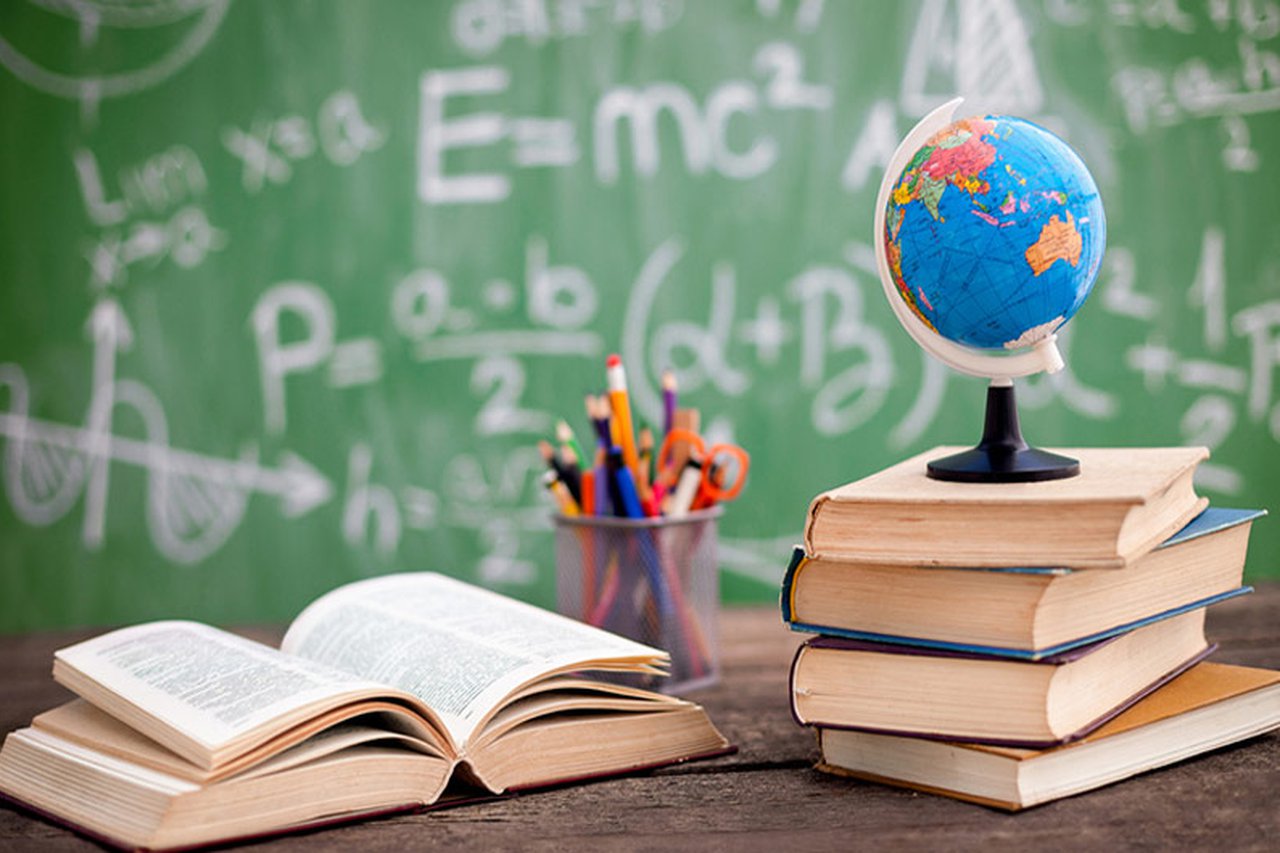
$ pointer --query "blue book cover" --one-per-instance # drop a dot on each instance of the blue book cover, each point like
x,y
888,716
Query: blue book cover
x,y
1212,520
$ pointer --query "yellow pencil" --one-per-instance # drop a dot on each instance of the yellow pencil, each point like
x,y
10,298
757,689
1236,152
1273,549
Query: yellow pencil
x,y
621,404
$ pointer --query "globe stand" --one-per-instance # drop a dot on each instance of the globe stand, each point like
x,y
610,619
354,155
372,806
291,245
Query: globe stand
x,y
1003,456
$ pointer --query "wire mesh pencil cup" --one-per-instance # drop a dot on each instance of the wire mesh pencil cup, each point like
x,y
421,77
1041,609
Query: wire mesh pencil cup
x,y
654,580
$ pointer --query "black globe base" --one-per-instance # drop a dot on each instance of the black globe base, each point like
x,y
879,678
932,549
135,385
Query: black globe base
x,y
1003,456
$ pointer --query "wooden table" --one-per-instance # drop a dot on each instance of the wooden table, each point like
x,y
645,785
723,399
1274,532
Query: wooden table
x,y
767,796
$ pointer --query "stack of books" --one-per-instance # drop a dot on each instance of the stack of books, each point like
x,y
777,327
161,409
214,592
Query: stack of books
x,y
1014,643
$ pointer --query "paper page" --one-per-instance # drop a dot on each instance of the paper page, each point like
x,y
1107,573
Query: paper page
x,y
335,739
459,648
208,684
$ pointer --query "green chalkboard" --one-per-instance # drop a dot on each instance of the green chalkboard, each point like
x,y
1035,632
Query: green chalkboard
x,y
289,290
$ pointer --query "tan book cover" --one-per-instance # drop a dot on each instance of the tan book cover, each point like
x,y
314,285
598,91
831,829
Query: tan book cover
x,y
1199,687
1124,502
1208,707
1029,612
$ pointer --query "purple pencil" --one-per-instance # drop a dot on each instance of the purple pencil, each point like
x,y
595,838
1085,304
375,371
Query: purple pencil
x,y
668,400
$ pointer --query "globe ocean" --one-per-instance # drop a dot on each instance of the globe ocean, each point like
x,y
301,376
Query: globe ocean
x,y
994,232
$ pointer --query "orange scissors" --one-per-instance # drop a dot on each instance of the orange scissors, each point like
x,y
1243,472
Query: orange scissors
x,y
709,491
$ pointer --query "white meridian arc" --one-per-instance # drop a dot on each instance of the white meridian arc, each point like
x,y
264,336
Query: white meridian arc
x,y
1043,356
115,85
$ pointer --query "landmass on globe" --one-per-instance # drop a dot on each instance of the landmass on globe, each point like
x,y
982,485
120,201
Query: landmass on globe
x,y
994,232
1059,241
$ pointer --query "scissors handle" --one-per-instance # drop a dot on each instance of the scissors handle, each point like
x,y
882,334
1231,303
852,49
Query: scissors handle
x,y
699,449
709,488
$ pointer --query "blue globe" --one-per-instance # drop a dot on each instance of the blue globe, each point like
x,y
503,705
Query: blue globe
x,y
994,232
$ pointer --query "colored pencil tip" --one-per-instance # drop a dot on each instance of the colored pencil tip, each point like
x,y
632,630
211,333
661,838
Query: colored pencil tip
x,y
613,360
668,380
544,447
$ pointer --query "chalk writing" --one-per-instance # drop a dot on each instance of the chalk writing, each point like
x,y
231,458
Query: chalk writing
x,y
268,149
195,501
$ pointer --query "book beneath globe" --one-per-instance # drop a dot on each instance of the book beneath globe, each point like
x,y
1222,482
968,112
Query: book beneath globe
x,y
186,735
1026,612
965,696
1124,502
1208,707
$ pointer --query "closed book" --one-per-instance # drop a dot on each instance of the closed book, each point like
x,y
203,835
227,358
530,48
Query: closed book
x,y
838,683
1027,612
1208,707
1124,502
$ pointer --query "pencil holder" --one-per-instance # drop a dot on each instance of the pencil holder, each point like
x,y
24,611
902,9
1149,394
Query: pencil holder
x,y
654,580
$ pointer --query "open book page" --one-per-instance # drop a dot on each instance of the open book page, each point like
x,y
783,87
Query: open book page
x,y
207,684
458,648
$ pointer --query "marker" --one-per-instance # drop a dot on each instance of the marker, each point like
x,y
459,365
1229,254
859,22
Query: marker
x,y
659,495
561,494
668,400
686,490
627,488
621,405
588,541
589,492
613,465
567,474
603,504
598,420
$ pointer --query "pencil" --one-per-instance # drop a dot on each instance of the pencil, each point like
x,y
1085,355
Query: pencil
x,y
668,401
567,473
568,441
620,402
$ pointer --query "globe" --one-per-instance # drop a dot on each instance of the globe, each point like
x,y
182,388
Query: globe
x,y
994,232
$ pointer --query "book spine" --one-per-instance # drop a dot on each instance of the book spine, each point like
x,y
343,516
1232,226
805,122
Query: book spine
x,y
787,596
811,519
791,685
1012,743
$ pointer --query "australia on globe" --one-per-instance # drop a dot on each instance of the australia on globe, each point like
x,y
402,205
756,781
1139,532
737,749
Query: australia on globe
x,y
994,232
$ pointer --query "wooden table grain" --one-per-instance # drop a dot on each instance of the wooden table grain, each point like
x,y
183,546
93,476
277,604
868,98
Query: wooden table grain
x,y
767,796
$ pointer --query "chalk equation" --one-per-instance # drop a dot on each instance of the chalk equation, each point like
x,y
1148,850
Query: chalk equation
x,y
195,501
513,239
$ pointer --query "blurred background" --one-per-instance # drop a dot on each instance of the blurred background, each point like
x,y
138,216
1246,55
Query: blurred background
x,y
289,290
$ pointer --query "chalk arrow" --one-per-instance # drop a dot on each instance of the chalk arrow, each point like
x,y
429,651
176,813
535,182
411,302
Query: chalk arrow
x,y
108,326
301,487
296,482
110,331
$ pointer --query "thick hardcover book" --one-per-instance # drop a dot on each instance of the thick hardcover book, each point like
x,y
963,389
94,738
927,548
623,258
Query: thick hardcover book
x,y
1027,613
1124,502
187,735
950,695
1208,707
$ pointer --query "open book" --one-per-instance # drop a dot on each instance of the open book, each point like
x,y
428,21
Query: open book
x,y
185,734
